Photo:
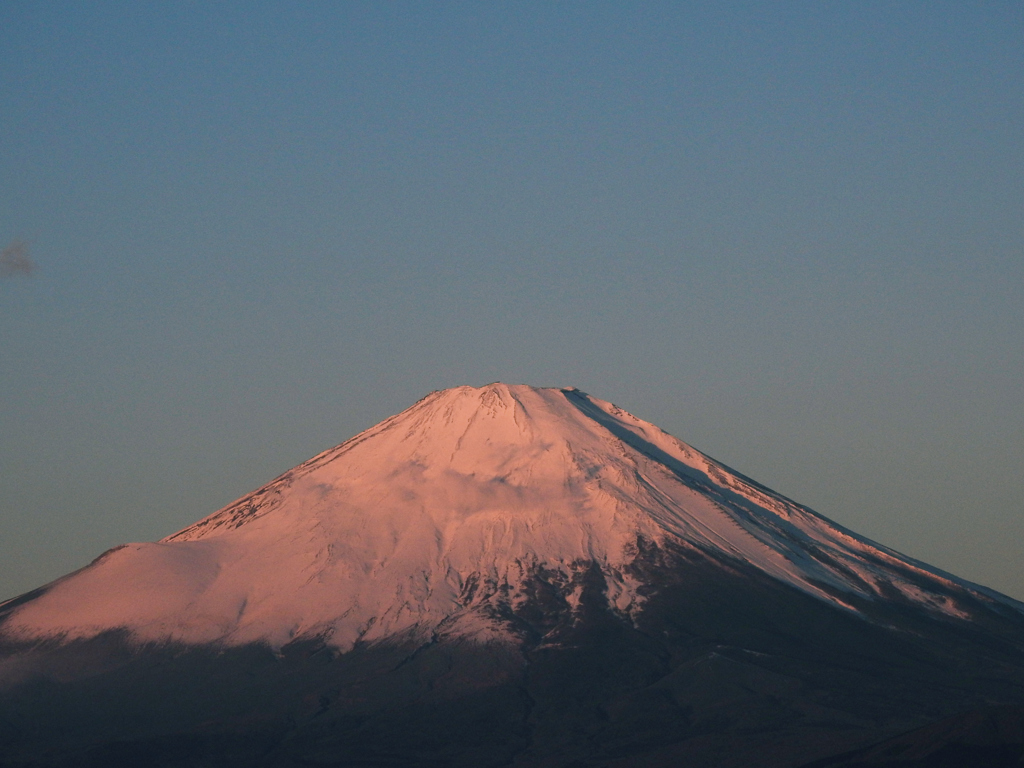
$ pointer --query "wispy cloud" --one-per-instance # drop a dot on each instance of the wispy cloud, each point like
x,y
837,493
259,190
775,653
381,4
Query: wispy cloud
x,y
15,261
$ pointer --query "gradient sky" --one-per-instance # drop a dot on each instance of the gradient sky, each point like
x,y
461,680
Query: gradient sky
x,y
791,234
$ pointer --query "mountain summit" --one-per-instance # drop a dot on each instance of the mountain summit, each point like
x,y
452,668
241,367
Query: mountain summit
x,y
582,580
439,517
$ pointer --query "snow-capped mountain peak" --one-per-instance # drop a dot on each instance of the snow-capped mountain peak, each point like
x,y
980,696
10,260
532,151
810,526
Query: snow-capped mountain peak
x,y
442,517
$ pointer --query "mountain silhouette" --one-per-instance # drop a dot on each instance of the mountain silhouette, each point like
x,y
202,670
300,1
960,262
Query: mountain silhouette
x,y
499,576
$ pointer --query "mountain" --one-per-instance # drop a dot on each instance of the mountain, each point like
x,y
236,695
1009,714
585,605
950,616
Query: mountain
x,y
499,576
991,737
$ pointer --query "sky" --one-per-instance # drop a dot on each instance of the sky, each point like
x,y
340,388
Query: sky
x,y
236,234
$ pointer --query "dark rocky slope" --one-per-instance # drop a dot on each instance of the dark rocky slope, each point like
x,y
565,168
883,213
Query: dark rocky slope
x,y
723,668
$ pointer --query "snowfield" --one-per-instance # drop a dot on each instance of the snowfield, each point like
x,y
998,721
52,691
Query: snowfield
x,y
432,520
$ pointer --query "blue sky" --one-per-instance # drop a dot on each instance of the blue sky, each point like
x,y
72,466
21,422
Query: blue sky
x,y
789,233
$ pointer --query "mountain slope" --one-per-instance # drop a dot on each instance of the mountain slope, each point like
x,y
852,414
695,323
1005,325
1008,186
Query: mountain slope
x,y
501,576
448,507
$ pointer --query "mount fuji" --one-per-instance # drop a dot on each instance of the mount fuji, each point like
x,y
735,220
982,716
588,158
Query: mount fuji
x,y
501,576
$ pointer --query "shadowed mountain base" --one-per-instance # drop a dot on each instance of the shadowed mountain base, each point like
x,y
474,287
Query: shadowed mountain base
x,y
991,737
722,668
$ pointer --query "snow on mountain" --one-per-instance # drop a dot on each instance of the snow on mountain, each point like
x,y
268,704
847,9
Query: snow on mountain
x,y
434,518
